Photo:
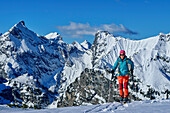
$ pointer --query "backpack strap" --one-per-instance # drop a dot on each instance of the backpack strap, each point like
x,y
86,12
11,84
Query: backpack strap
x,y
129,65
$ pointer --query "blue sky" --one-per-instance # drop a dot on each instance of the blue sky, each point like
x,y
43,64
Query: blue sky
x,y
80,19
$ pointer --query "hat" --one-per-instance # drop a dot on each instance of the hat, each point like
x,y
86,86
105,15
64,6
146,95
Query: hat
x,y
122,51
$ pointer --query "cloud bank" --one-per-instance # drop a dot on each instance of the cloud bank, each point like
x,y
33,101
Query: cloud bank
x,y
78,30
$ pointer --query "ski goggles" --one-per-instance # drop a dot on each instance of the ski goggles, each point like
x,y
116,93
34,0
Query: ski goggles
x,y
122,54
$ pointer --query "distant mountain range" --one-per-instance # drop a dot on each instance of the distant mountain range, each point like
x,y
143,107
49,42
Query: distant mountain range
x,y
40,71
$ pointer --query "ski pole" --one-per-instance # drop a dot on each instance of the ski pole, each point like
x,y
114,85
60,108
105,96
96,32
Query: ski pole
x,y
111,79
110,82
109,89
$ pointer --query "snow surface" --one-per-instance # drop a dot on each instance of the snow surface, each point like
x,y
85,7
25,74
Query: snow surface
x,y
154,106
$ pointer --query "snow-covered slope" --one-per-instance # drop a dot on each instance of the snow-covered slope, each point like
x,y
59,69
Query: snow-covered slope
x,y
161,106
151,56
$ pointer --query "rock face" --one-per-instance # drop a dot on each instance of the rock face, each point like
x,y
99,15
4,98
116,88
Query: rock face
x,y
25,54
93,88
40,71
85,90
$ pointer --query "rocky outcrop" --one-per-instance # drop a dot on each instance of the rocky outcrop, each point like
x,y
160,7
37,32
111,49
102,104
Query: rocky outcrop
x,y
92,87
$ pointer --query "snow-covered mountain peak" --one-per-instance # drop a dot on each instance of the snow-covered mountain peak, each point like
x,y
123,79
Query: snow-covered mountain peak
x,y
21,32
20,25
164,37
81,46
162,34
168,35
86,44
54,35
85,41
102,35
77,45
103,38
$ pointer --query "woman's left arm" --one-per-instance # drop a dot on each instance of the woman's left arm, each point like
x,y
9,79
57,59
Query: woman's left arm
x,y
131,63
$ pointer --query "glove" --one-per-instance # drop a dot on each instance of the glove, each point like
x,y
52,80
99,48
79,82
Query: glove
x,y
109,71
112,71
113,76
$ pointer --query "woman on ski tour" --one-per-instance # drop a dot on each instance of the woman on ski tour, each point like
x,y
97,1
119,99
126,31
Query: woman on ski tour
x,y
125,69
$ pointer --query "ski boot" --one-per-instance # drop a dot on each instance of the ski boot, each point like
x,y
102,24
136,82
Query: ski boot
x,y
121,99
126,100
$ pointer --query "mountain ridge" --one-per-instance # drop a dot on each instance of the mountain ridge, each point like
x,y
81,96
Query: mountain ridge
x,y
53,65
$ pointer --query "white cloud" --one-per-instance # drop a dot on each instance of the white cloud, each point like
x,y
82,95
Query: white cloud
x,y
78,30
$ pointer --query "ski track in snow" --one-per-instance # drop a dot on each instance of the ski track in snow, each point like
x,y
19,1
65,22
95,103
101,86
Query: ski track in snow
x,y
92,109
154,106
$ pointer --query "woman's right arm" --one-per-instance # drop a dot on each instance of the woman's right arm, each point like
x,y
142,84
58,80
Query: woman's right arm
x,y
115,65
